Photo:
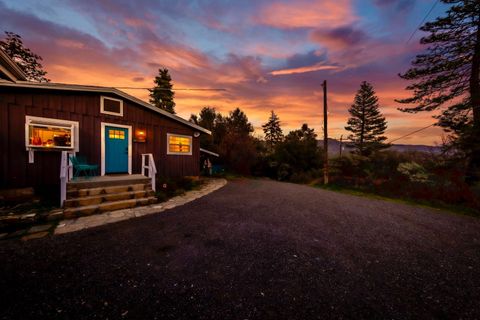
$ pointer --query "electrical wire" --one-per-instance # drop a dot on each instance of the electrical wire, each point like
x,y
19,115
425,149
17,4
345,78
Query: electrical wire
x,y
409,134
179,89
421,23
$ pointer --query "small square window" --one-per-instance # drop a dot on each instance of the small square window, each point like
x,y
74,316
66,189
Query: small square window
x,y
111,106
116,134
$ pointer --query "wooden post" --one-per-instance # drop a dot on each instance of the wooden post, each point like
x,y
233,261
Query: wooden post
x,y
325,133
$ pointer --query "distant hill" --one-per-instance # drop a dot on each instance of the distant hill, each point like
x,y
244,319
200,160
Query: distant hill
x,y
334,147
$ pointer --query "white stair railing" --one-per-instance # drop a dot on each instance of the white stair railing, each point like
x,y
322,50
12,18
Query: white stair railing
x,y
66,173
150,166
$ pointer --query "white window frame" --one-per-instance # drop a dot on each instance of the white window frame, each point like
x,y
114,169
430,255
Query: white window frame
x,y
179,153
102,144
102,106
53,122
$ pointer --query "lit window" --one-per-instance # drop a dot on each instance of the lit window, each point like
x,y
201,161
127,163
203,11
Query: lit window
x,y
178,144
116,134
49,133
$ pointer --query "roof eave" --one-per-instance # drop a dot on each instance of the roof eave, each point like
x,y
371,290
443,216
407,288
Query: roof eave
x,y
12,67
111,90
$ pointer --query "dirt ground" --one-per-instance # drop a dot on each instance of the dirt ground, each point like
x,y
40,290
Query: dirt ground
x,y
255,249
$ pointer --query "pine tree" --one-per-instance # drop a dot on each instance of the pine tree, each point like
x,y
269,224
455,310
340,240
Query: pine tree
x,y
446,78
237,145
366,124
237,123
161,96
209,119
298,152
24,57
272,130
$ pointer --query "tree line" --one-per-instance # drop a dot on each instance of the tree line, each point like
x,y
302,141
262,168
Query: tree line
x,y
295,154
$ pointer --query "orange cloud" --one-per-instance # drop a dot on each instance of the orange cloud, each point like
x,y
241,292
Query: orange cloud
x,y
306,14
316,67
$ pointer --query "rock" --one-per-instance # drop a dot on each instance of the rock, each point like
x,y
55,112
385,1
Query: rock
x,y
117,214
9,219
17,233
40,228
55,215
35,236
28,216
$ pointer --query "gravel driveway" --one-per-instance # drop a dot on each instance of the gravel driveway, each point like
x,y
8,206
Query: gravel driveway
x,y
254,249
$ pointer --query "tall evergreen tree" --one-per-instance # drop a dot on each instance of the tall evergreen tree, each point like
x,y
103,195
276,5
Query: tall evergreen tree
x,y
208,118
161,96
447,77
272,130
237,123
237,145
366,124
24,57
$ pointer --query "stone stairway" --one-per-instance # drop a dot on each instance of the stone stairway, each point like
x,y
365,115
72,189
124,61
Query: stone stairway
x,y
91,196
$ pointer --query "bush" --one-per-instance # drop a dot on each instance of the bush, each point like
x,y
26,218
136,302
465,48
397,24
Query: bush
x,y
414,175
414,171
171,187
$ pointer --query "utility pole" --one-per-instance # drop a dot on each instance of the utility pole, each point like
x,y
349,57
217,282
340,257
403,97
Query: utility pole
x,y
325,133
341,145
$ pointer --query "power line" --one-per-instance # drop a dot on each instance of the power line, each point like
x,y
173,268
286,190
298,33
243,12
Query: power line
x,y
179,89
421,23
409,134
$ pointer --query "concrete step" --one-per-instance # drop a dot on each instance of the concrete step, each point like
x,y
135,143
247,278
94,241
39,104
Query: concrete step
x,y
78,193
106,197
75,212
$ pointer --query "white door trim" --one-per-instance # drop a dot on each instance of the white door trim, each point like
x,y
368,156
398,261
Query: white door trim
x,y
102,140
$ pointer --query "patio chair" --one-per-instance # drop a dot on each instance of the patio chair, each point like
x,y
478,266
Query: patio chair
x,y
80,165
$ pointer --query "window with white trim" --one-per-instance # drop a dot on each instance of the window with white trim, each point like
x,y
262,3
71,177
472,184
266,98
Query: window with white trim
x,y
50,133
111,106
179,144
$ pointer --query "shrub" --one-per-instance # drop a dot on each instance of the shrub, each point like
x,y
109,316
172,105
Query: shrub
x,y
414,175
414,171
170,187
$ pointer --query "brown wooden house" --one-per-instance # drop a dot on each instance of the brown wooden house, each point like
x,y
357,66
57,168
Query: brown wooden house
x,y
112,129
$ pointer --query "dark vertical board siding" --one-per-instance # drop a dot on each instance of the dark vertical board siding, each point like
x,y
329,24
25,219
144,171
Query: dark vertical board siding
x,y
16,172
4,126
84,108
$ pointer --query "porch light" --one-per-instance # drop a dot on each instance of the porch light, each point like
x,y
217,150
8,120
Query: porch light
x,y
140,135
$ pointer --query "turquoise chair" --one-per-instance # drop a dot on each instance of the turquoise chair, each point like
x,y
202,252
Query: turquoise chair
x,y
80,165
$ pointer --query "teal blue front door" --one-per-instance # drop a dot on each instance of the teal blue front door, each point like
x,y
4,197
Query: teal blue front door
x,y
116,150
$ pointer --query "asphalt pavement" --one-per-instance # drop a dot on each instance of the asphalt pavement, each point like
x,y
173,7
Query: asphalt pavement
x,y
255,249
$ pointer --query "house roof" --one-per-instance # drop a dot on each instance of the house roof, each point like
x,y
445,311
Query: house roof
x,y
209,152
10,69
99,89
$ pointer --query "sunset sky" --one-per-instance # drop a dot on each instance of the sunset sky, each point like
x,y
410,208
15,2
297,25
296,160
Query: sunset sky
x,y
268,55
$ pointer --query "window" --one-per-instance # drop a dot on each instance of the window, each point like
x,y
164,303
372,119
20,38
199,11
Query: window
x,y
50,133
111,106
178,144
116,134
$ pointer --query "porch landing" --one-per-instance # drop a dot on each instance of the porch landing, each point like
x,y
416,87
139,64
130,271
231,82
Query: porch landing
x,y
106,180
